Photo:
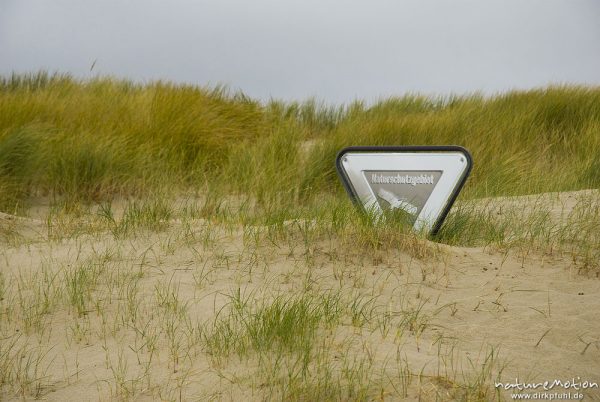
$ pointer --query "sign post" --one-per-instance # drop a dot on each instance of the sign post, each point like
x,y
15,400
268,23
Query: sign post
x,y
421,182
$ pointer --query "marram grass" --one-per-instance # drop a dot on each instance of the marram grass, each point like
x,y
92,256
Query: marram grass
x,y
77,143
171,208
99,139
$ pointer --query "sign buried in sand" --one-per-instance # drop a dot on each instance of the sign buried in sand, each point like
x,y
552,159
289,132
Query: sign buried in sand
x,y
419,182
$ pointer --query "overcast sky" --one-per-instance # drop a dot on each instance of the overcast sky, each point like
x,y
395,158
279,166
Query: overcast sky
x,y
333,50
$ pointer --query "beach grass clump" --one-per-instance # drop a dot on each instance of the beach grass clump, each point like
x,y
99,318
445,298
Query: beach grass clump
x,y
101,138
285,324
537,223
98,139
71,141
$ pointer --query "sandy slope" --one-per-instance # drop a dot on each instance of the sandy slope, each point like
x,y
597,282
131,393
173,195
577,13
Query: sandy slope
x,y
535,314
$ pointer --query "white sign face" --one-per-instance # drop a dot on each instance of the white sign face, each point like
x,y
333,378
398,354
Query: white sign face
x,y
420,182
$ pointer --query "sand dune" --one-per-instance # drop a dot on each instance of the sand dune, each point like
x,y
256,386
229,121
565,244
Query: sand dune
x,y
446,326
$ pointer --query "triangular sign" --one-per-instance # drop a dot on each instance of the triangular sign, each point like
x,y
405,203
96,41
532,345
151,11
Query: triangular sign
x,y
420,181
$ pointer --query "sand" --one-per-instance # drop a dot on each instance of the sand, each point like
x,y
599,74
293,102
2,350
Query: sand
x,y
479,315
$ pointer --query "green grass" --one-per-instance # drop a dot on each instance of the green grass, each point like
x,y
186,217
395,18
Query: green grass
x,y
538,224
76,143
180,192
286,323
103,138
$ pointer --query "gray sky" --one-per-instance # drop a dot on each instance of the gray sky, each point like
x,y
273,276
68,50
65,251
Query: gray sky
x,y
333,50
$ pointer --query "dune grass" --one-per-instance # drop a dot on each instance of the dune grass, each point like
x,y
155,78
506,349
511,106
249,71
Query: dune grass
x,y
160,197
98,139
89,142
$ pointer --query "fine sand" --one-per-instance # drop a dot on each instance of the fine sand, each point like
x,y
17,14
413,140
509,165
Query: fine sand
x,y
440,326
